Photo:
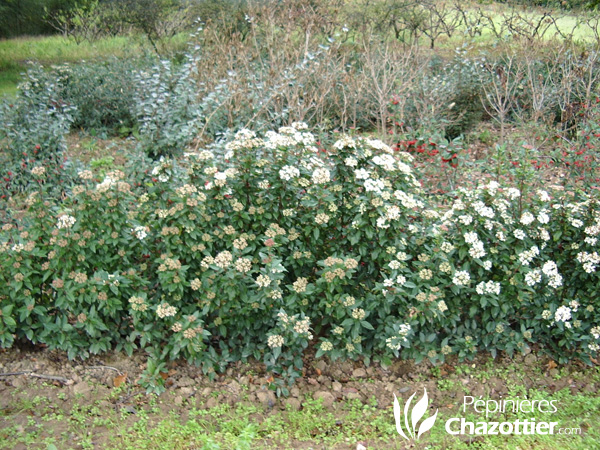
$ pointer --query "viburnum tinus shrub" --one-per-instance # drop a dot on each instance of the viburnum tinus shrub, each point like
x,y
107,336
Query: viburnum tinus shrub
x,y
518,272
279,241
275,244
70,264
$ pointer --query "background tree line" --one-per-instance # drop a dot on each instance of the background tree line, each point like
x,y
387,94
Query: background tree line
x,y
89,19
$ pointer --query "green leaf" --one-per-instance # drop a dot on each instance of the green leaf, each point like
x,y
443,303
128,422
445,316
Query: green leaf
x,y
367,325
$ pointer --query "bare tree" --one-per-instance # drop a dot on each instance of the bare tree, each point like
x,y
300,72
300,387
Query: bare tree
x,y
500,86
389,70
440,19
471,19
528,26
541,91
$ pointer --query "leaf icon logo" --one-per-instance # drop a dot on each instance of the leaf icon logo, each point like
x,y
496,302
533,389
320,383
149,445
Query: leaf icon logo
x,y
416,414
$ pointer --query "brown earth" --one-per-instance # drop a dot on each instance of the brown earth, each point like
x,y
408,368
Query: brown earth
x,y
31,373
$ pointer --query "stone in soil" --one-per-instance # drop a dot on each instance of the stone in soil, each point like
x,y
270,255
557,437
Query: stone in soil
x,y
359,373
327,398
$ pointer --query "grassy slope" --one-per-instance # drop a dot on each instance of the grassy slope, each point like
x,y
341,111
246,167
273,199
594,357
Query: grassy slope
x,y
49,50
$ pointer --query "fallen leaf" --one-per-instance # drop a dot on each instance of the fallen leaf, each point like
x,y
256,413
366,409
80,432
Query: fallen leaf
x,y
552,364
318,371
164,375
119,380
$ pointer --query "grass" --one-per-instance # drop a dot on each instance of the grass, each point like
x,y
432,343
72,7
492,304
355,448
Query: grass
x,y
52,50
47,419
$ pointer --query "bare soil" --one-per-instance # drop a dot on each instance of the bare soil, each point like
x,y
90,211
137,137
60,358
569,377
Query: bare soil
x,y
29,373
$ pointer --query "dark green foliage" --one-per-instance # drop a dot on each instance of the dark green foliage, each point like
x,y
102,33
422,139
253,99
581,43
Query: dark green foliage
x,y
28,17
101,92
32,133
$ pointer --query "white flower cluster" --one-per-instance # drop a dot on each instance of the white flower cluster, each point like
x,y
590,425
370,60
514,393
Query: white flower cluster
x,y
461,278
165,310
562,314
491,287
244,139
65,221
223,259
106,184
275,341
446,247
376,186
362,174
527,218
345,141
395,342
593,230
302,326
288,172
321,176
186,190
543,195
551,271
408,200
477,250
386,161
351,161
85,175
358,314
533,277
263,281
326,346
513,193
589,261
140,232
243,265
289,136
543,217
321,219
466,219
379,145
519,234
527,256
576,223
483,210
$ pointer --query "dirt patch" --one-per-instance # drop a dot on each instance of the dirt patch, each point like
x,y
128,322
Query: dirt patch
x,y
41,386
88,148
249,382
